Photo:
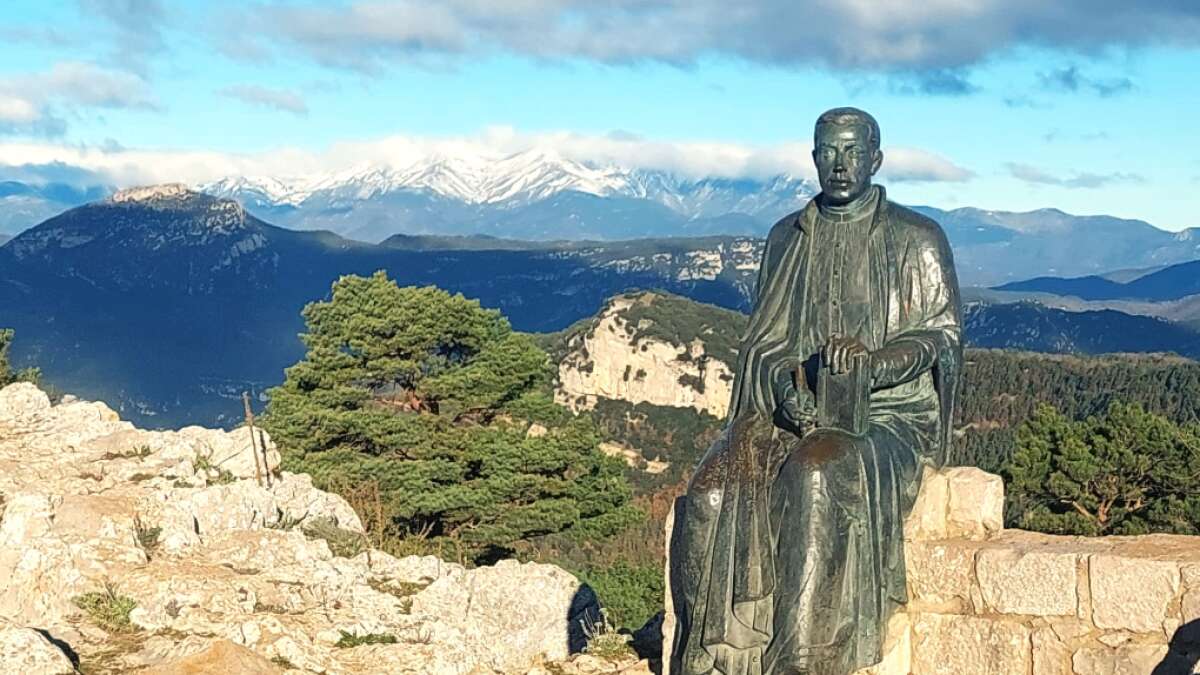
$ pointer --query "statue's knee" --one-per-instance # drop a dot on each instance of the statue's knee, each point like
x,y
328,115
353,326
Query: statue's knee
x,y
821,448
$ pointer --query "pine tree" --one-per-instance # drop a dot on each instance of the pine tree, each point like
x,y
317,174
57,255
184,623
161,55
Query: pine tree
x,y
431,398
1127,471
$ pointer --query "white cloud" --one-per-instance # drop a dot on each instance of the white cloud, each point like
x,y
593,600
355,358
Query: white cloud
x,y
124,166
28,101
90,85
885,35
279,99
16,110
1076,180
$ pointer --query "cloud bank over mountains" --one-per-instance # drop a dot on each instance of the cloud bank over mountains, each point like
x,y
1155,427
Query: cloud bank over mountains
x,y
123,167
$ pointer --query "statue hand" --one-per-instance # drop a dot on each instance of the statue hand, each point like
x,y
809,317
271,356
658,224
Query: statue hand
x,y
843,354
795,410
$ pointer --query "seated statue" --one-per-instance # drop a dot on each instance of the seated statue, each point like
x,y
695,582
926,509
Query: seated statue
x,y
788,550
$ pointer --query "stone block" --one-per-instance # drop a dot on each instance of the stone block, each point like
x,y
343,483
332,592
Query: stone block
x,y
927,519
1033,582
1132,594
968,645
975,508
1131,659
941,575
1050,655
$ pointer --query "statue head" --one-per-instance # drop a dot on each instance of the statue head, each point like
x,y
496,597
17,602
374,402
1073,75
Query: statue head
x,y
846,152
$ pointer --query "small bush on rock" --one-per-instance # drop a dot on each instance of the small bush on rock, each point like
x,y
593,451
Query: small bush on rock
x,y
7,374
603,640
108,609
350,640
147,536
342,542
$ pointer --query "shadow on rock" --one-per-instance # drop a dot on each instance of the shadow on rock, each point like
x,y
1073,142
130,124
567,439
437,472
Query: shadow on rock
x,y
1184,651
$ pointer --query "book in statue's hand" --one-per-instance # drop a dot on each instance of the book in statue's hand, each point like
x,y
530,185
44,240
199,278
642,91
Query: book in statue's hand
x,y
844,399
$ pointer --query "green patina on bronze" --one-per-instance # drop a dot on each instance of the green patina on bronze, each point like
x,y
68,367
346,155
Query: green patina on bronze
x,y
788,554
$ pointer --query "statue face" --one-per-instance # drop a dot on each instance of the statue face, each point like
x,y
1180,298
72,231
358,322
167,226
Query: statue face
x,y
845,160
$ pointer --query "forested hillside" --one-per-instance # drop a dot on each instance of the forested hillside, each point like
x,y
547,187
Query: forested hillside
x,y
1003,388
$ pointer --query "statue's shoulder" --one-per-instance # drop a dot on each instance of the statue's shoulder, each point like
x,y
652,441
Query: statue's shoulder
x,y
789,222
786,227
916,227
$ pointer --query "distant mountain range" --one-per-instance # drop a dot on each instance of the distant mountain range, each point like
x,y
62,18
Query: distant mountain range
x,y
531,195
995,247
168,303
1034,327
1172,282
538,195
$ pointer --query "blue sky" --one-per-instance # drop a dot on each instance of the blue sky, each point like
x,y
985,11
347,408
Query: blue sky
x,y
1088,106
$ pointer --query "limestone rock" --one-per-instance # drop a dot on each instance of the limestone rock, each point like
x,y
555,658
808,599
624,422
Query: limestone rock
x,y
1127,660
1132,593
206,570
975,508
540,609
586,664
28,652
941,575
609,362
1028,581
222,657
413,569
964,645
957,502
1050,655
927,520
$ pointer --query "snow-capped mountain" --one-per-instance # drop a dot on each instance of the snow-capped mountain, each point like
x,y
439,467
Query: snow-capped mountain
x,y
536,194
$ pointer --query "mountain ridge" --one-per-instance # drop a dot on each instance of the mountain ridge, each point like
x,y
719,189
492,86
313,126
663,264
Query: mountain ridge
x,y
169,306
1164,284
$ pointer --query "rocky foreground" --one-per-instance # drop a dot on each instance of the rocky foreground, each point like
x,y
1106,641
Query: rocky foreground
x,y
124,550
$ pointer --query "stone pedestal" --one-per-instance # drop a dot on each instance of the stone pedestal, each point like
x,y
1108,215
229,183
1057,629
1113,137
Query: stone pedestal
x,y
989,601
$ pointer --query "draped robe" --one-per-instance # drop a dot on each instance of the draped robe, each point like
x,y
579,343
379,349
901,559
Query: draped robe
x,y
788,553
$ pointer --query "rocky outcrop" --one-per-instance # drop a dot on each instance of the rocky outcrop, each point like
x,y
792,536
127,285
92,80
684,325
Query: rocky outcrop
x,y
127,549
25,650
988,601
611,360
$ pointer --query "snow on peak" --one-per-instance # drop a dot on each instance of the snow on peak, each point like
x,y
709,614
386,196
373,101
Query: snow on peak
x,y
517,179
148,193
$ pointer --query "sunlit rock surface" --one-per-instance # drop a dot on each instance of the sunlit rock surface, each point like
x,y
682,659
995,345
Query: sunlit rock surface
x,y
218,574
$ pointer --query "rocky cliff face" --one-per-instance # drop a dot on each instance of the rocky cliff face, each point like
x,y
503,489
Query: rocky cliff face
x,y
614,358
123,549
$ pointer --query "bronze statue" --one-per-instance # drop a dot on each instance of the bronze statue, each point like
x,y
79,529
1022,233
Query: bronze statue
x,y
788,551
